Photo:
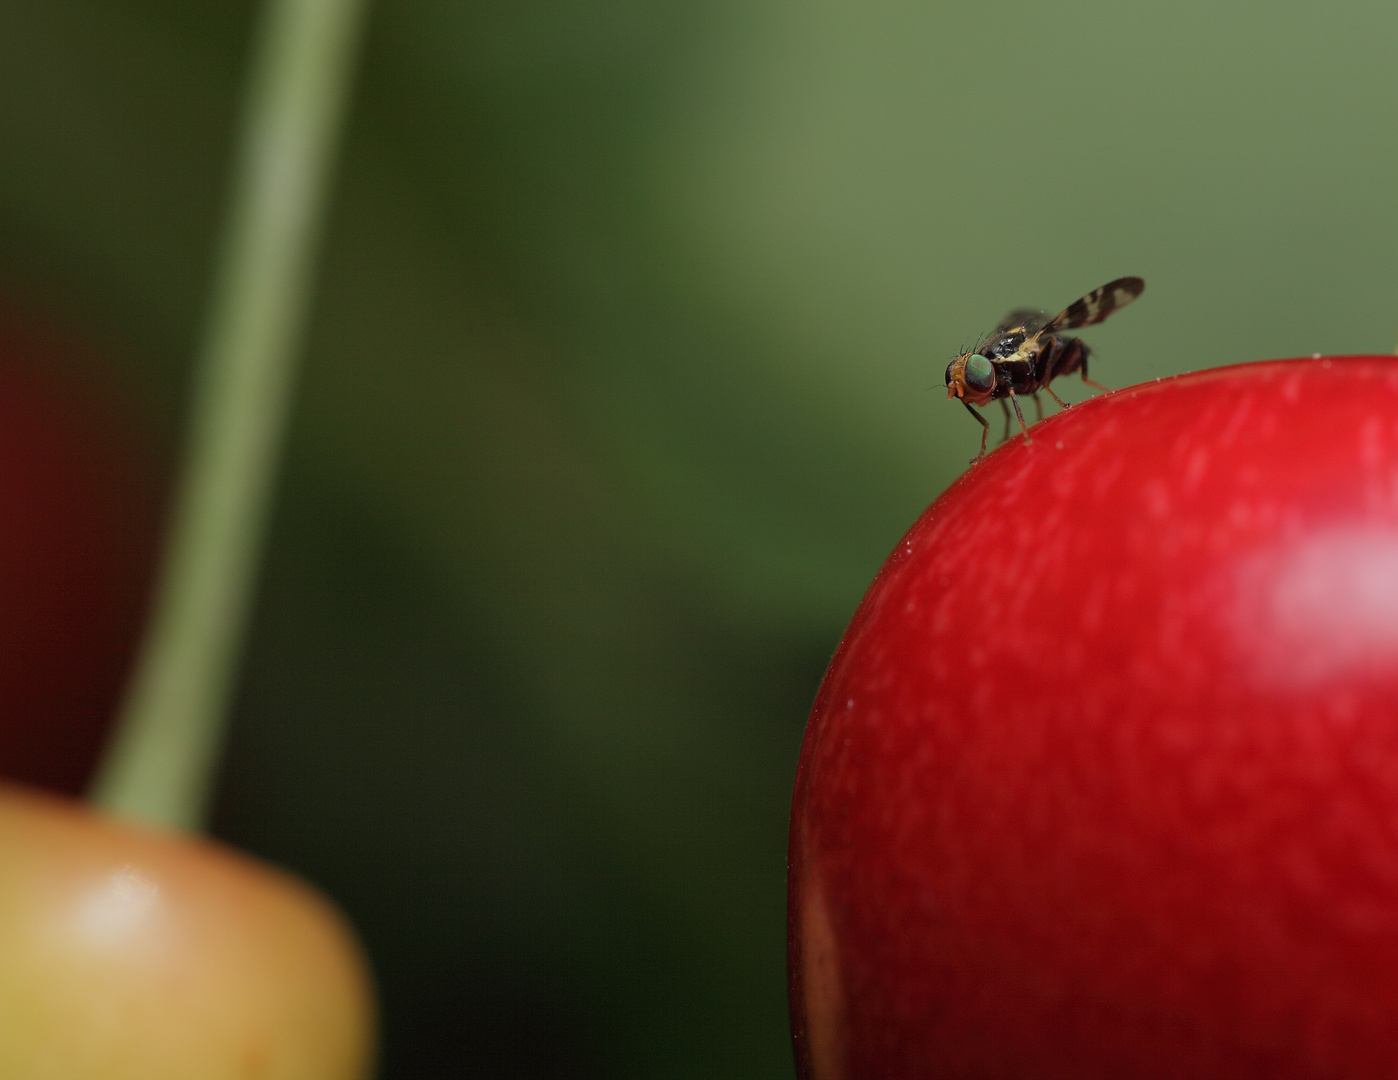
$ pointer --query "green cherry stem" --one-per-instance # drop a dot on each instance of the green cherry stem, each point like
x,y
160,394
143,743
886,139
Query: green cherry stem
x,y
163,755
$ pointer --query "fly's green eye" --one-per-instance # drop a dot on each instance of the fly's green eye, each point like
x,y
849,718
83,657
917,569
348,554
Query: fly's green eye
x,y
979,374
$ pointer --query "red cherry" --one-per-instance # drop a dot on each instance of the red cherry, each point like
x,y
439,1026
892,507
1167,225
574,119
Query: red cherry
x,y
78,531
1103,779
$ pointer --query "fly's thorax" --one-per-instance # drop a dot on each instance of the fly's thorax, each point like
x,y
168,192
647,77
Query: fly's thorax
x,y
1031,349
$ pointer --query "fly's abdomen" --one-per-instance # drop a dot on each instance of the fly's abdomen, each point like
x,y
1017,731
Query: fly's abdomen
x,y
1065,356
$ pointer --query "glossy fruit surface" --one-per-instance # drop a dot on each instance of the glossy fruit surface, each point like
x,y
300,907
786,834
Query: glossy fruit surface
x,y
130,955
1103,779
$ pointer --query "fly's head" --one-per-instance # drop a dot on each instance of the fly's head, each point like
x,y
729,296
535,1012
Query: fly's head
x,y
971,377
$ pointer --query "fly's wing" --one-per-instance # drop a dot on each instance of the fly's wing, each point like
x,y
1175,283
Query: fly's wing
x,y
1031,319
1097,305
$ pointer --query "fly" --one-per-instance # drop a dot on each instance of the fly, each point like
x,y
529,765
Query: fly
x,y
1024,354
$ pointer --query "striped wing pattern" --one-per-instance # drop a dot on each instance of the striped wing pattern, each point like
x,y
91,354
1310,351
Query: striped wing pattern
x,y
1097,305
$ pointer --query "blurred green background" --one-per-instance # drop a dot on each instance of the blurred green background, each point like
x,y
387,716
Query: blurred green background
x,y
624,375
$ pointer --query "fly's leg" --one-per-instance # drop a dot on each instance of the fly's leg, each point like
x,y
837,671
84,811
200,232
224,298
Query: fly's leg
x,y
1005,408
1061,403
985,429
1022,425
1086,379
1038,408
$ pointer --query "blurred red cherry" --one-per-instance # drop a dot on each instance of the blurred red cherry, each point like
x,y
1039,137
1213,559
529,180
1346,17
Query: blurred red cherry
x,y
1103,779
78,530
